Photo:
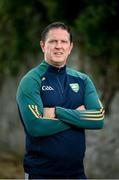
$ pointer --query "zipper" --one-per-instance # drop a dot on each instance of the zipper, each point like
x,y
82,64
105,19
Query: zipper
x,y
59,83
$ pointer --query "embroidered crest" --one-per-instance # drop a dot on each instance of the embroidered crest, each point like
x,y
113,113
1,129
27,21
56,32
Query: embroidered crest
x,y
75,87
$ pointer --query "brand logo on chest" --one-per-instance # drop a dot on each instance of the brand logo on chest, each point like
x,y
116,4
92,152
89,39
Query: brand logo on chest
x,y
47,88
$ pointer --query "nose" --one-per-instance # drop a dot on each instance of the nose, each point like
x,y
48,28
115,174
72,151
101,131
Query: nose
x,y
58,44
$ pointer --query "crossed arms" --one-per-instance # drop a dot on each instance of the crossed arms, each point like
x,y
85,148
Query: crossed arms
x,y
50,111
39,121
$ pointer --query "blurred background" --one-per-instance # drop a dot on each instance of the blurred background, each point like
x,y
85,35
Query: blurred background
x,y
95,30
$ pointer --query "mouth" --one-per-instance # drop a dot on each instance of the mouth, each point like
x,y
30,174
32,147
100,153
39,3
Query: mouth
x,y
58,53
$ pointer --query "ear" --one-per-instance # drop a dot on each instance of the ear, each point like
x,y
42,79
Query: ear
x,y
42,45
71,46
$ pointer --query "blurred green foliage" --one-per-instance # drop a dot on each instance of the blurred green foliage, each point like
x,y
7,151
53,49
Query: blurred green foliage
x,y
97,30
94,23
21,23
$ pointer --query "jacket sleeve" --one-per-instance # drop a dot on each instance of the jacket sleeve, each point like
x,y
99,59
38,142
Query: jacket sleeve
x,y
31,110
92,117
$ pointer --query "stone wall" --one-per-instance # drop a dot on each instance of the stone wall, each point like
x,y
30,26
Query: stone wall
x,y
102,155
11,132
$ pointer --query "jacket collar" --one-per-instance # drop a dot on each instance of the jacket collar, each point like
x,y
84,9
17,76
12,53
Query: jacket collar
x,y
54,69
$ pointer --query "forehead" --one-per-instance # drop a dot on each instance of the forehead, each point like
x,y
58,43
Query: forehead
x,y
58,33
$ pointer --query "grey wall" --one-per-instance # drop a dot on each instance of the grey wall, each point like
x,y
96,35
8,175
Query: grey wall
x,y
102,155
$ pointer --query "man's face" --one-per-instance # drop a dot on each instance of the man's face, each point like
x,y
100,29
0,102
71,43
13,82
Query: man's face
x,y
57,47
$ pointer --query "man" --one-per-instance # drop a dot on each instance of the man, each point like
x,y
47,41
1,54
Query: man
x,y
56,104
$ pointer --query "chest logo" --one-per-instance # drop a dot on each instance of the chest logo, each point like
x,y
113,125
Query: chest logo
x,y
75,87
47,88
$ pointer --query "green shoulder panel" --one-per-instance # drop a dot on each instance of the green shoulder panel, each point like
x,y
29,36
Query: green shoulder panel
x,y
76,73
31,107
30,84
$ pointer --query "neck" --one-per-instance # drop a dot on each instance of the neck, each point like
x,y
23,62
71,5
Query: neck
x,y
58,65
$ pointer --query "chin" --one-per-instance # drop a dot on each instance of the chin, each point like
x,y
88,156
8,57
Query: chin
x,y
58,60
58,63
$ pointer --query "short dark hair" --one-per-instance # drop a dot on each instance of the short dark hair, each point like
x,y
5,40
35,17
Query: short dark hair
x,y
53,26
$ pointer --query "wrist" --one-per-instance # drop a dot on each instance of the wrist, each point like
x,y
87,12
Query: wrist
x,y
49,112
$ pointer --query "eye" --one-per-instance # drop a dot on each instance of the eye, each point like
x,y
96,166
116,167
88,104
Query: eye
x,y
64,41
52,41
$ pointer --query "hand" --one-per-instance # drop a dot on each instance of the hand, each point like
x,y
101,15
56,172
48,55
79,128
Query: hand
x,y
81,108
49,112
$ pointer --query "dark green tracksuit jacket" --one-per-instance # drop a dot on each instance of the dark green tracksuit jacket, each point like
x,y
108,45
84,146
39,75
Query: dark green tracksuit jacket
x,y
56,147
